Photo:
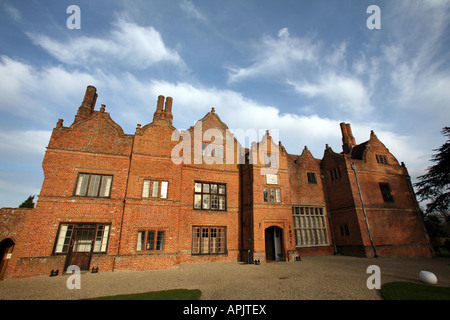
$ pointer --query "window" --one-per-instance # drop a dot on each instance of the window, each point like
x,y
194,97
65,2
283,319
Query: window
x,y
272,195
212,150
150,240
311,177
277,195
93,185
210,196
146,189
381,159
164,186
344,230
270,160
386,192
101,238
208,240
157,189
335,174
64,236
82,236
310,226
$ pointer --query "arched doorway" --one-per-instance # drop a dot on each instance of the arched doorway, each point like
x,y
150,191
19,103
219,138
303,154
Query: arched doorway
x,y
6,249
274,244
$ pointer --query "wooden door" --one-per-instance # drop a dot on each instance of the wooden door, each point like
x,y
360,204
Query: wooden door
x,y
81,246
270,249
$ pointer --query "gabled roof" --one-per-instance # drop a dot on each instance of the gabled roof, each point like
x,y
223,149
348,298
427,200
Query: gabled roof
x,y
213,116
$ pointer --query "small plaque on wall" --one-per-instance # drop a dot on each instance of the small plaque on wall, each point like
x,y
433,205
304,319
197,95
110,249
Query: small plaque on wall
x,y
271,179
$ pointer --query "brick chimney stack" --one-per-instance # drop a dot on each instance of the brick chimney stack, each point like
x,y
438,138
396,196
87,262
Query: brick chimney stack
x,y
348,141
168,109
163,111
88,104
159,108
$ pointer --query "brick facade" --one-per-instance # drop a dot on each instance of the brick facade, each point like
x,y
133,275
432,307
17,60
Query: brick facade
x,y
162,197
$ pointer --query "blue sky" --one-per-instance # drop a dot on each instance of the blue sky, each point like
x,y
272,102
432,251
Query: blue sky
x,y
301,67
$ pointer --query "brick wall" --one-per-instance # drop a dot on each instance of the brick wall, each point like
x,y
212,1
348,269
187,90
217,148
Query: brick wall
x,y
12,222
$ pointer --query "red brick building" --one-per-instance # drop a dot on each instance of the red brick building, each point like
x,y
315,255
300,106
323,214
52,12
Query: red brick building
x,y
162,197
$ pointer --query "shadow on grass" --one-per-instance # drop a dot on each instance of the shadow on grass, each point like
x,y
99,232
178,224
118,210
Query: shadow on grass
x,y
177,294
413,291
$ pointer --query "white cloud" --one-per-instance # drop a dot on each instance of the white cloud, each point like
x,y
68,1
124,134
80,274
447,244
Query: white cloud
x,y
21,154
13,12
17,185
127,43
346,93
191,11
337,58
39,94
437,3
312,70
23,146
276,57
416,56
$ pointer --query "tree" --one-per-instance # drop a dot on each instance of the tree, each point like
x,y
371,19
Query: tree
x,y
434,186
28,203
435,226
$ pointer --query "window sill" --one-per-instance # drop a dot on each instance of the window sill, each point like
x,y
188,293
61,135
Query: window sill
x,y
149,253
66,253
209,211
312,246
208,254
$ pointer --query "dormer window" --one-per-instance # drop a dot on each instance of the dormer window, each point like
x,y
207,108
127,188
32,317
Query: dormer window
x,y
381,159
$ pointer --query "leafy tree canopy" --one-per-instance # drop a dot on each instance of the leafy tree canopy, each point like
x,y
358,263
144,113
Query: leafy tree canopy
x,y
434,185
28,203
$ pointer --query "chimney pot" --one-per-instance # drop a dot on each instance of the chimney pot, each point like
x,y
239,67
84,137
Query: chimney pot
x,y
168,108
159,108
88,104
348,141
90,98
160,104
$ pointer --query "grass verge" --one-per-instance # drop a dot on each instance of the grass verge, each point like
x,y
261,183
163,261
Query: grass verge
x,y
177,294
413,291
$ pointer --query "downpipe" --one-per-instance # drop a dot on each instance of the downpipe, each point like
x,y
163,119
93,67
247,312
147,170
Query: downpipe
x,y
353,166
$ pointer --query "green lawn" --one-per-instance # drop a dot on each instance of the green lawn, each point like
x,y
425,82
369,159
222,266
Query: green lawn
x,y
413,291
177,294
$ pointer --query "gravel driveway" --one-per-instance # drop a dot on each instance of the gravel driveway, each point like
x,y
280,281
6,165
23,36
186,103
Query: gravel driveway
x,y
327,277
